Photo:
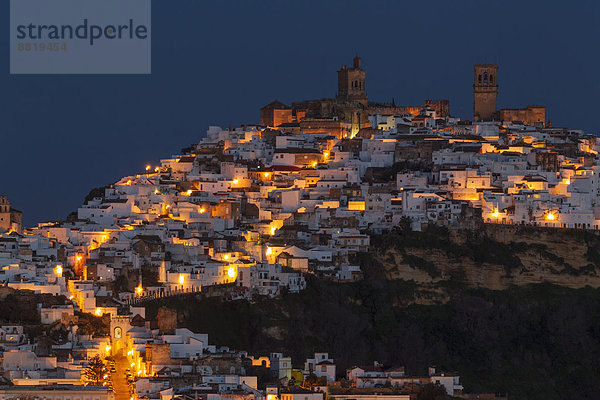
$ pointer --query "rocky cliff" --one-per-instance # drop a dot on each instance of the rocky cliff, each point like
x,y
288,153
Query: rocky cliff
x,y
495,257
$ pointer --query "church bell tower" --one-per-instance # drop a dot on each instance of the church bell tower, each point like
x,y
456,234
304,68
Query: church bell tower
x,y
351,82
485,92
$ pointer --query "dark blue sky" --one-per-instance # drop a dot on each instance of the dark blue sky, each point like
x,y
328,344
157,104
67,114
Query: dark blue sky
x,y
219,62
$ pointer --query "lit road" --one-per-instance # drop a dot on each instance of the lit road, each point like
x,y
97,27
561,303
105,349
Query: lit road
x,y
119,380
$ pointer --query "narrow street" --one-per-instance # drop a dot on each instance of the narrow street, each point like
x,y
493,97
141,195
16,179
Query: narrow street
x,y
119,379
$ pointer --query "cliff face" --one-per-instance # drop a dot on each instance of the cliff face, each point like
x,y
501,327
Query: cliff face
x,y
494,257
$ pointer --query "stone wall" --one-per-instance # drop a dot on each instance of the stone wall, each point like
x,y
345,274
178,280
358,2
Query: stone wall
x,y
441,107
529,115
167,319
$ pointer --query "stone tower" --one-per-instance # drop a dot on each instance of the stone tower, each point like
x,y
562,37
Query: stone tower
x,y
485,92
5,219
351,82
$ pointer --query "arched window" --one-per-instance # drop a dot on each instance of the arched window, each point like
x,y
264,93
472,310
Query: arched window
x,y
491,78
479,78
485,77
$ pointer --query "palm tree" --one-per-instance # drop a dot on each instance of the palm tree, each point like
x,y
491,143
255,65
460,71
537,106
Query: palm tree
x,y
94,373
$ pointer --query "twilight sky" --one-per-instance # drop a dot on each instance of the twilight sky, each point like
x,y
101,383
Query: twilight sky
x,y
217,63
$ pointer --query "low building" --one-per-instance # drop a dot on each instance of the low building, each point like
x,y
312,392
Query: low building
x,y
56,392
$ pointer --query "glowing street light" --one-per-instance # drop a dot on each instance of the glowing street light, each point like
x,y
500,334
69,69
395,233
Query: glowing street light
x,y
226,257
181,279
236,181
550,217
231,272
148,167
269,251
98,312
58,270
495,214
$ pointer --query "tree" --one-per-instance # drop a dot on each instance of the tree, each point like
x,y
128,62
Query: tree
x,y
93,374
405,224
313,380
89,324
322,381
433,392
95,192
310,381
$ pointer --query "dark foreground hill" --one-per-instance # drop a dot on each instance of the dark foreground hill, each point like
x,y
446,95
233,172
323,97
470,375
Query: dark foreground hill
x,y
534,342
464,301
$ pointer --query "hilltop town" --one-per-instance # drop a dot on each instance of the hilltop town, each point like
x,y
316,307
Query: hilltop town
x,y
252,211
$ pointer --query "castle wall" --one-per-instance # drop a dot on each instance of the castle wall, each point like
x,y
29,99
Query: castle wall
x,y
441,107
275,117
529,115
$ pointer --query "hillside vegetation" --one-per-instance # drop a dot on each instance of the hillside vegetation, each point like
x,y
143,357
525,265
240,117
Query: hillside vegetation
x,y
533,341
